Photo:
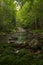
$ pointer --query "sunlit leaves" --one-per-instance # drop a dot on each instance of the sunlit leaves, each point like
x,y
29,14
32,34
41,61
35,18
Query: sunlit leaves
x,y
30,12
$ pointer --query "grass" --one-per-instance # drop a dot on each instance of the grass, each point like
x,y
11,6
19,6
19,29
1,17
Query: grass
x,y
37,31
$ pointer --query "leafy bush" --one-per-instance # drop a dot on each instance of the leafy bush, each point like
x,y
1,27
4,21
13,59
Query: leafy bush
x,y
24,57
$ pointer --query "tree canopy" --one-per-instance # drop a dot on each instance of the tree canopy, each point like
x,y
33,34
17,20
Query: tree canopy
x,y
29,15
7,15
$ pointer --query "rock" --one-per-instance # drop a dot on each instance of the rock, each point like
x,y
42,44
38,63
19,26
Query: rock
x,y
33,43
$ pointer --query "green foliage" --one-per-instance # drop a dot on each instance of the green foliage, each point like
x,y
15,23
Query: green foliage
x,y
24,57
31,14
7,15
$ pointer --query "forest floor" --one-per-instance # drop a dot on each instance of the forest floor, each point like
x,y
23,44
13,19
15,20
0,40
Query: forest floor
x,y
20,54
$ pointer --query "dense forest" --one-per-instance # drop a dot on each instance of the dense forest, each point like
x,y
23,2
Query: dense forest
x,y
21,32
